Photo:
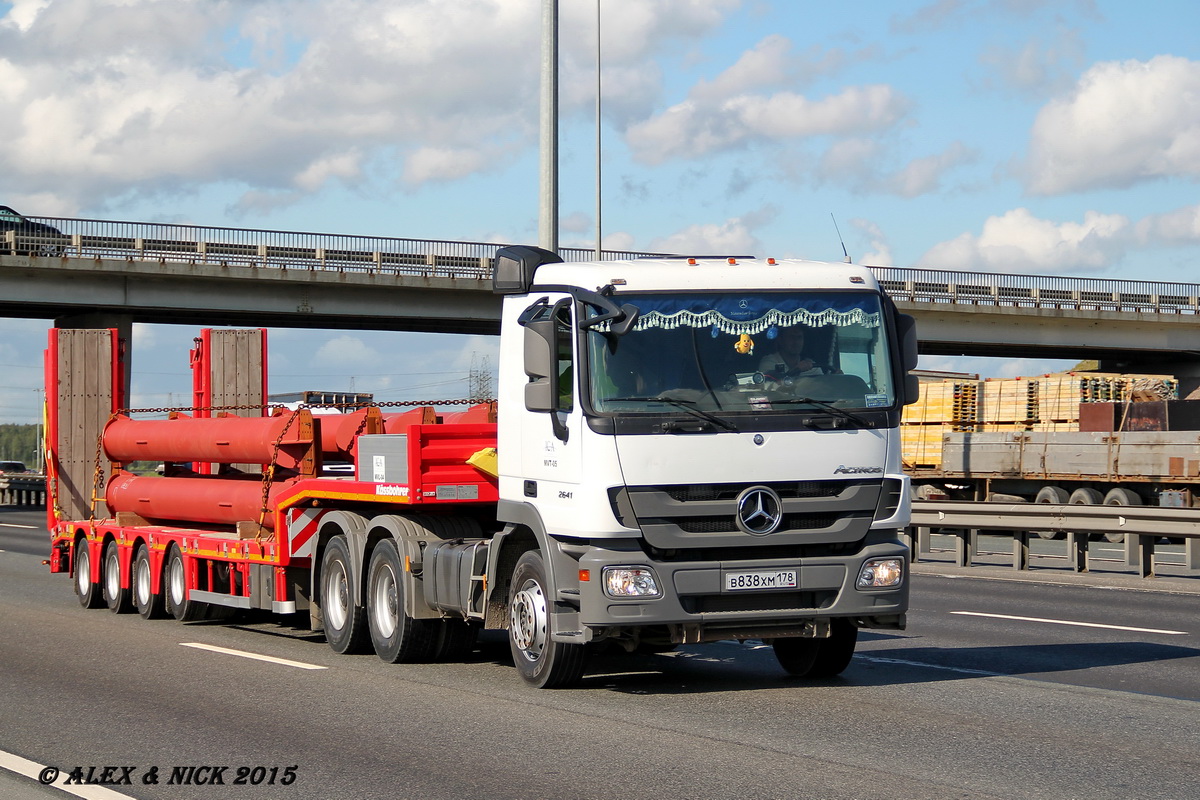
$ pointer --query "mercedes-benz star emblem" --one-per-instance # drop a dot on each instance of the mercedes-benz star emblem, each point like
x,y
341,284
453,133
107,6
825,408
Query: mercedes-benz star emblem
x,y
759,511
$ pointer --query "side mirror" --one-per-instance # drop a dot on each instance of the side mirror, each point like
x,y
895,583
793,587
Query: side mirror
x,y
541,393
906,327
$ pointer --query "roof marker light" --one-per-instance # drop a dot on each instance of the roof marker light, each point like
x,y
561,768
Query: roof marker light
x,y
691,262
771,261
732,261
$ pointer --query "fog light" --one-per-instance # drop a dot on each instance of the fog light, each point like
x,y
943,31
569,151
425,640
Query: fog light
x,y
630,582
880,573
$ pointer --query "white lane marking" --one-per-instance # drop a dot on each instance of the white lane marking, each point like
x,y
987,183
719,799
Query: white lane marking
x,y
243,654
15,525
34,771
1070,622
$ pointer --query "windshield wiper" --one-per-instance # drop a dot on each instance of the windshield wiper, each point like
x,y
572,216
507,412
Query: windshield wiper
x,y
685,405
841,412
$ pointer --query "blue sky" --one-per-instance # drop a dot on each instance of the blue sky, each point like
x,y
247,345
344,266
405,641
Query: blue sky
x,y
1049,136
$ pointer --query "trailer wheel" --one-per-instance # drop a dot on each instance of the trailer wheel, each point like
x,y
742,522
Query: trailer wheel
x,y
89,594
1052,495
1086,496
147,603
540,661
344,621
178,604
396,637
1120,497
116,598
819,658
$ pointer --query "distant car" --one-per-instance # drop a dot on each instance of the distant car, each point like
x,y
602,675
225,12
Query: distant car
x,y
11,467
12,221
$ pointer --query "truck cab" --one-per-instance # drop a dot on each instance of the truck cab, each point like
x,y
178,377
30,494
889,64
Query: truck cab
x,y
671,488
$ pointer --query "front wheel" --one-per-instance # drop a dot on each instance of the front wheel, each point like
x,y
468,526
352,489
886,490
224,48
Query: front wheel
x,y
540,661
819,658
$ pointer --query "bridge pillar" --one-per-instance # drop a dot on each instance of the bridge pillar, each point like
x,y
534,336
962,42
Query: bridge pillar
x,y
124,325
1183,365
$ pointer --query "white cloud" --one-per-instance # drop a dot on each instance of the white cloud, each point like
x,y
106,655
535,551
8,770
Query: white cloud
x,y
347,352
1125,122
1179,227
733,237
118,99
1019,242
881,253
857,163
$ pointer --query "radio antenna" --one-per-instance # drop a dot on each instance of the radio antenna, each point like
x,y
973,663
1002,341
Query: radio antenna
x,y
845,255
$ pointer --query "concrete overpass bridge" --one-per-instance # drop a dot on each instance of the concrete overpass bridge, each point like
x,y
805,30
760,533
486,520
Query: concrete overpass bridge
x,y
105,273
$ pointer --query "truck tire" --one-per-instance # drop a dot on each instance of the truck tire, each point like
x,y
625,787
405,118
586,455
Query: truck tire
x,y
345,622
396,637
175,592
1055,496
1120,497
89,594
540,661
455,639
1086,496
148,604
818,658
116,598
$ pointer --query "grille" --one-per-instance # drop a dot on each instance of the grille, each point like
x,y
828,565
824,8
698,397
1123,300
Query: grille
x,y
792,522
773,601
719,491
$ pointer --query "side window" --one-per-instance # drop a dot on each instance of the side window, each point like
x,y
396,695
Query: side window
x,y
566,363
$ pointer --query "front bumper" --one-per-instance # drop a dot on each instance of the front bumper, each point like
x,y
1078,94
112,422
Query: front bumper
x,y
695,606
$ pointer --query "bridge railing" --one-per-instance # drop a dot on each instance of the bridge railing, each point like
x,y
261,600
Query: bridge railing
x,y
1038,291
255,249
258,249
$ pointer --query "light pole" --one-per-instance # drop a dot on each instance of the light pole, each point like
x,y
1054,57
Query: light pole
x,y
599,138
548,206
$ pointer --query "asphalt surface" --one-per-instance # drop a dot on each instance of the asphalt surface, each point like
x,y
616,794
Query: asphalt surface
x,y
1016,704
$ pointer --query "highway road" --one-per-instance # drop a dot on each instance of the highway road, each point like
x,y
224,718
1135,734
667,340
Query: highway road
x,y
1000,688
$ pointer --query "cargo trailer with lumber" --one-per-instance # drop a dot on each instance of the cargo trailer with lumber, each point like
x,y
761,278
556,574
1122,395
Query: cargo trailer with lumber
x,y
1075,438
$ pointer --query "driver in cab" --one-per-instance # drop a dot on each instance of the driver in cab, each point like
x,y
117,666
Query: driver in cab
x,y
790,360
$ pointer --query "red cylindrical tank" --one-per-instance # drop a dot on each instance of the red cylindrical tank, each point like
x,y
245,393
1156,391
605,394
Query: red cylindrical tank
x,y
339,432
208,500
398,423
223,440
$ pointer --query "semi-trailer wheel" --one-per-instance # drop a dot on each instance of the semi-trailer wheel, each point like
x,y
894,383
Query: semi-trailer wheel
x,y
116,598
90,595
818,658
1120,497
178,604
345,627
540,661
1086,496
1052,495
147,603
395,636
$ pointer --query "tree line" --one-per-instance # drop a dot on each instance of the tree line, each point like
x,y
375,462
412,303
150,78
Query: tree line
x,y
19,443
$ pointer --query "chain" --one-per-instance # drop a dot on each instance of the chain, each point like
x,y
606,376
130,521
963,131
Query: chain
x,y
269,474
98,472
260,408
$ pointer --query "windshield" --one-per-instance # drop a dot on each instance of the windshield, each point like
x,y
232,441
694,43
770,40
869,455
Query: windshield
x,y
753,353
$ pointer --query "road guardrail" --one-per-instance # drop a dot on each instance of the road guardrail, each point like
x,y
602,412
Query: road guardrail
x,y
23,490
1142,527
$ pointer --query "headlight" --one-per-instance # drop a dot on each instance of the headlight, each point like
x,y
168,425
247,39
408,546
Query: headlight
x,y
630,582
880,573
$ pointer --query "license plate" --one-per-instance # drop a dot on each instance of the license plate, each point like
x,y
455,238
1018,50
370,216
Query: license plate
x,y
774,579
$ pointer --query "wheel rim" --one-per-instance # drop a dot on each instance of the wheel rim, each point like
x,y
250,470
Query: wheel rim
x,y
385,602
141,581
112,574
337,596
176,581
83,568
527,619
